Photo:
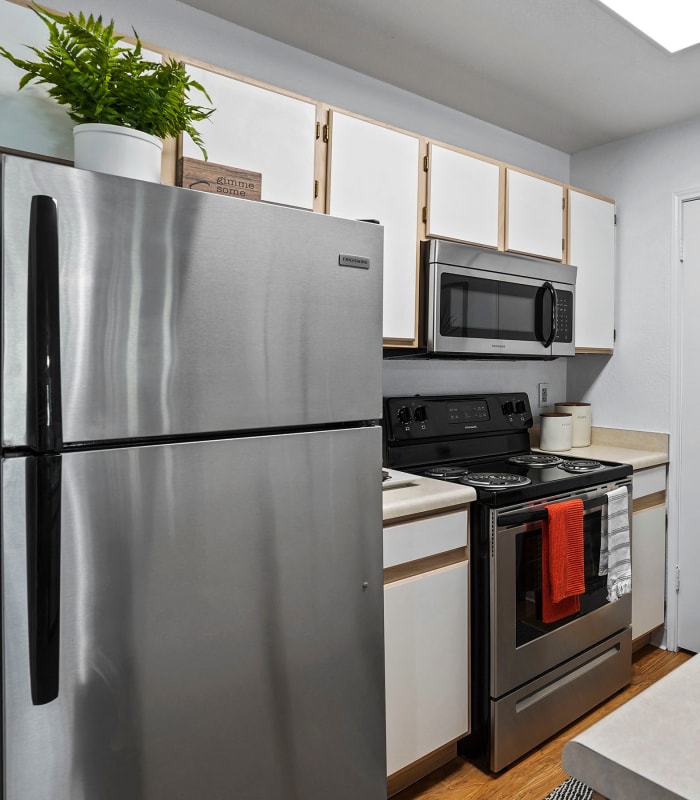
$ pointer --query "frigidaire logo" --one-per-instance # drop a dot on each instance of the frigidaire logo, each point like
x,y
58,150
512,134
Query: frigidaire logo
x,y
497,345
353,261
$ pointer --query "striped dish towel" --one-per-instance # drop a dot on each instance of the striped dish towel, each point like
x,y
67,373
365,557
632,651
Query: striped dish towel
x,y
615,559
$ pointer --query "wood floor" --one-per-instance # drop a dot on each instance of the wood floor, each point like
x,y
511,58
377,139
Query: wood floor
x,y
535,775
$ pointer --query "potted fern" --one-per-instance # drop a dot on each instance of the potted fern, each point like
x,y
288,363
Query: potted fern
x,y
111,90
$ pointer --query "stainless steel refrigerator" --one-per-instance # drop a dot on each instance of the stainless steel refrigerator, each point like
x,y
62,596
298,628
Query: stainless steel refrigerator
x,y
191,495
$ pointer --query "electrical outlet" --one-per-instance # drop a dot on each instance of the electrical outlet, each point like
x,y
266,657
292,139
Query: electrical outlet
x,y
543,394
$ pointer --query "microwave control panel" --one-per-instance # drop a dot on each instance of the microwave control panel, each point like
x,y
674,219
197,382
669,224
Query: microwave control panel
x,y
565,317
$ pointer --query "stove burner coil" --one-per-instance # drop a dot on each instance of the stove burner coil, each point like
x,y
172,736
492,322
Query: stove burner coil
x,y
581,465
445,472
536,460
495,480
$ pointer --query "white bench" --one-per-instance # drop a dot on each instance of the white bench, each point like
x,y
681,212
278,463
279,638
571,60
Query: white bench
x,y
649,748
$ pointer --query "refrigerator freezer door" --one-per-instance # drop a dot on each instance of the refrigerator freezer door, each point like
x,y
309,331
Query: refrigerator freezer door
x,y
217,639
182,312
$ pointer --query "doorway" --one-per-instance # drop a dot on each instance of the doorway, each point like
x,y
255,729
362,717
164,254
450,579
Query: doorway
x,y
683,570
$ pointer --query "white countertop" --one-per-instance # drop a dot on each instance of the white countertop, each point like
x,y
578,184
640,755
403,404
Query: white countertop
x,y
640,449
424,496
648,748
638,459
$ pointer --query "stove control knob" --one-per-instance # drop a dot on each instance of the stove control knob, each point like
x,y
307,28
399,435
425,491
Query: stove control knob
x,y
520,407
508,408
420,414
405,414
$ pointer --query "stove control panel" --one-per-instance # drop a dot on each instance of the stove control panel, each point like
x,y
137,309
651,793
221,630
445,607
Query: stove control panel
x,y
429,417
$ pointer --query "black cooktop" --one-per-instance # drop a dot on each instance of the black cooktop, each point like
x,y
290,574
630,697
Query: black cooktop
x,y
458,437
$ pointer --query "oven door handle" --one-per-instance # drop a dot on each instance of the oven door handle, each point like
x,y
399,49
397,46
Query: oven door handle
x,y
520,517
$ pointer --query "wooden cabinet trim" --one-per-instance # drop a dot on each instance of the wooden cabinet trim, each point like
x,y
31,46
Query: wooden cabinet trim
x,y
423,766
427,564
592,194
648,501
604,351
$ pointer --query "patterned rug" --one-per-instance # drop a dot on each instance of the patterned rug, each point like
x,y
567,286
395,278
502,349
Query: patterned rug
x,y
571,789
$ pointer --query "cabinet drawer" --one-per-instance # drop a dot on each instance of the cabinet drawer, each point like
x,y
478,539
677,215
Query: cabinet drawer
x,y
649,481
420,538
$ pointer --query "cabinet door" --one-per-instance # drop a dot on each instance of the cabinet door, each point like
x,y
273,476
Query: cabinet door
x,y
373,174
30,120
592,250
259,130
534,215
648,569
463,197
426,663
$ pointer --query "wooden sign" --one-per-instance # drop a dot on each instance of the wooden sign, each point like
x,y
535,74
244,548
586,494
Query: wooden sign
x,y
218,179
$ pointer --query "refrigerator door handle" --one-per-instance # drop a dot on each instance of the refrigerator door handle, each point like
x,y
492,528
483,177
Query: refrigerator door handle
x,y
44,418
43,514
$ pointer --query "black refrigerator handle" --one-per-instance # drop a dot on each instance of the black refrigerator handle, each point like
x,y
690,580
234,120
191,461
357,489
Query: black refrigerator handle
x,y
44,419
546,289
43,515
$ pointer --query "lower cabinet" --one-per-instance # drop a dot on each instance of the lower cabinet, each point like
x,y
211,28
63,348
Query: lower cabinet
x,y
648,550
426,627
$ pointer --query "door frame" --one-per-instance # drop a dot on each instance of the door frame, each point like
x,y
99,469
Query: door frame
x,y
670,639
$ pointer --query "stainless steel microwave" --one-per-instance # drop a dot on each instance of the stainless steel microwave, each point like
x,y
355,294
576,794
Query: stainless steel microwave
x,y
481,302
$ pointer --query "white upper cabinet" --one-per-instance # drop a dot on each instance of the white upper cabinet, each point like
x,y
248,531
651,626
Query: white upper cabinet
x,y
534,215
259,130
592,250
30,120
373,174
463,197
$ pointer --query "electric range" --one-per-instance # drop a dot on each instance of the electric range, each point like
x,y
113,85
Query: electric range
x,y
483,441
530,676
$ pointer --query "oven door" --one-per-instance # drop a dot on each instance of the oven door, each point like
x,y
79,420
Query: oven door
x,y
522,645
493,314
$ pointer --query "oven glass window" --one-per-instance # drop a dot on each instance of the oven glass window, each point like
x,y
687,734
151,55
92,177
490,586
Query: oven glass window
x,y
528,578
486,309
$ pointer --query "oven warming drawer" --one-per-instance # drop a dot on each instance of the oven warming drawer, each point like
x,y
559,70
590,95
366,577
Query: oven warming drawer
x,y
541,708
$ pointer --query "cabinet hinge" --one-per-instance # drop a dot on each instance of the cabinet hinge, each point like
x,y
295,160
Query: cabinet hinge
x,y
315,188
614,219
563,204
425,213
426,163
678,579
563,245
326,134
318,130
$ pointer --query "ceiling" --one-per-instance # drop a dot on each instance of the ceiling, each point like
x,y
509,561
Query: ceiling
x,y
567,73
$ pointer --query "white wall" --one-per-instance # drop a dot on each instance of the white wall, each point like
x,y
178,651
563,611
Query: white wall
x,y
632,389
438,376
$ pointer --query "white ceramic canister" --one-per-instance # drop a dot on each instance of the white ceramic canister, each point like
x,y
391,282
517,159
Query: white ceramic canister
x,y
555,431
581,422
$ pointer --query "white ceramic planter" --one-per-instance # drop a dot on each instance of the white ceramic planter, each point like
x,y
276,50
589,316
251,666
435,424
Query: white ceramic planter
x,y
117,151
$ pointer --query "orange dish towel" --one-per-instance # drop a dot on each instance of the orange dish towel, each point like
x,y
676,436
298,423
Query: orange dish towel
x,y
551,611
566,549
562,560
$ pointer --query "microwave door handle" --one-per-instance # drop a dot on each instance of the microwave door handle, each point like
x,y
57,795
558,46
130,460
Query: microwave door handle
x,y
545,289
